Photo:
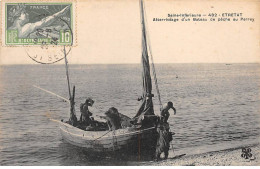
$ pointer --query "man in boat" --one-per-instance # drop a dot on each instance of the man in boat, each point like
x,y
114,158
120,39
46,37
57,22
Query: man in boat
x,y
113,118
164,134
85,113
165,111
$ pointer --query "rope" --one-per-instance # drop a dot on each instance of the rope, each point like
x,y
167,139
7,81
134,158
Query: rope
x,y
102,135
153,67
156,83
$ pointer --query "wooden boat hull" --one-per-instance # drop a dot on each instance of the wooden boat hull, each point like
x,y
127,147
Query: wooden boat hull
x,y
129,139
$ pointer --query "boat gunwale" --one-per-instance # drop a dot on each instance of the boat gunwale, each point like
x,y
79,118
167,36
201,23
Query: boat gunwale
x,y
103,132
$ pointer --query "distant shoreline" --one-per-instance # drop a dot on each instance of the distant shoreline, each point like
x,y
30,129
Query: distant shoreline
x,y
61,63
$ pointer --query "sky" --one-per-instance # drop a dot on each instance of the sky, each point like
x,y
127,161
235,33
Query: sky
x,y
109,32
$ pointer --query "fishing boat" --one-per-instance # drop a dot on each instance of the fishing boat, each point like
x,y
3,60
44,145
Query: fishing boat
x,y
138,138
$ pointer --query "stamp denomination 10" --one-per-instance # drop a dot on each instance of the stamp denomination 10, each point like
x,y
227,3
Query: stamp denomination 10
x,y
38,23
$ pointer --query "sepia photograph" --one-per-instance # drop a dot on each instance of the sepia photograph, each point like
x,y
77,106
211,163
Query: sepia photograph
x,y
130,83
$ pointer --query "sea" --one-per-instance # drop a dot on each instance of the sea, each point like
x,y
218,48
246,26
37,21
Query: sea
x,y
217,105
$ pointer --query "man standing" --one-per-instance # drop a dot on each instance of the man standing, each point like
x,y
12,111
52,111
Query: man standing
x,y
164,134
163,141
165,111
85,113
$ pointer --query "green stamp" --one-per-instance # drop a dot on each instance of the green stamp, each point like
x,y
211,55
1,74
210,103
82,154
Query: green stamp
x,y
38,24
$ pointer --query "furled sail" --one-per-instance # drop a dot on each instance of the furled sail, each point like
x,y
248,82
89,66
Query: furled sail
x,y
146,107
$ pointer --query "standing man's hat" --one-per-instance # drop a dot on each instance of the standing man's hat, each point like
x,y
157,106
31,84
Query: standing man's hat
x,y
170,104
90,101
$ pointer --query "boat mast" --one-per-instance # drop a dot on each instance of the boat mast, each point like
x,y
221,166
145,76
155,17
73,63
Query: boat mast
x,y
67,71
152,62
149,49
147,82
146,107
73,117
71,96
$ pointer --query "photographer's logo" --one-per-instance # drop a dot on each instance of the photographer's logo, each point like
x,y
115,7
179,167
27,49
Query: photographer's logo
x,y
246,153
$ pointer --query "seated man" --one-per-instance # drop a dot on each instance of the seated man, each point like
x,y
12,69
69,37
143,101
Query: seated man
x,y
85,113
125,121
113,118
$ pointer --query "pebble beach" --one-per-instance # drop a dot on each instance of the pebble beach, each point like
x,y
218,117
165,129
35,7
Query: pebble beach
x,y
228,157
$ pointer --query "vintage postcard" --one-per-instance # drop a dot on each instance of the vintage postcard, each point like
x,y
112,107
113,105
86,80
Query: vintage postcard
x,y
130,83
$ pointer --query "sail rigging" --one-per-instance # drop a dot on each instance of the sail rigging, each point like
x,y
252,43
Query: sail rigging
x,y
147,102
152,62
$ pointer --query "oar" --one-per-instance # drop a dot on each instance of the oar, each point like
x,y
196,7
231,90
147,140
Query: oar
x,y
57,121
63,98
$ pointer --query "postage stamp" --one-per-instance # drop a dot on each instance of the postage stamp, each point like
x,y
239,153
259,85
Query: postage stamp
x,y
38,23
